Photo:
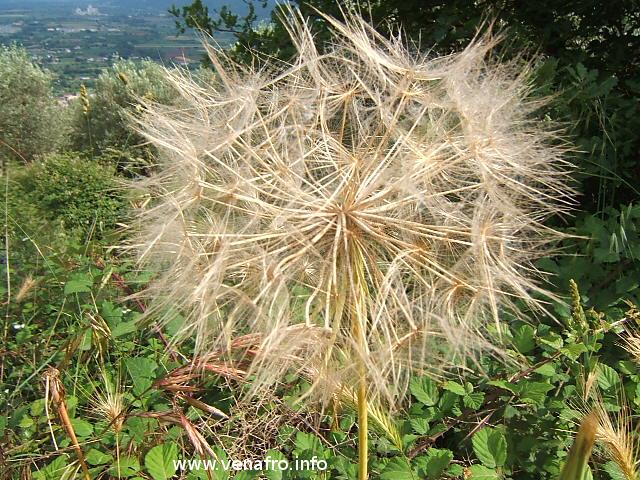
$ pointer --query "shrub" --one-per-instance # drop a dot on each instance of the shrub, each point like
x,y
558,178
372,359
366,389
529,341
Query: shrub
x,y
75,191
100,123
27,107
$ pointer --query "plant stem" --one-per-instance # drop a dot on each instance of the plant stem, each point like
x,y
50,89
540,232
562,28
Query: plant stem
x,y
358,325
363,428
576,465
54,384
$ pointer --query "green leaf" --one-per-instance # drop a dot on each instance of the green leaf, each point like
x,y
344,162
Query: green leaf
x,y
546,370
534,392
480,472
574,350
523,338
246,475
419,425
454,387
274,474
124,328
510,387
424,390
78,284
490,447
141,370
607,377
126,467
397,469
55,470
307,441
552,340
449,403
81,427
37,407
96,457
434,463
473,400
160,461
111,313
614,471
455,471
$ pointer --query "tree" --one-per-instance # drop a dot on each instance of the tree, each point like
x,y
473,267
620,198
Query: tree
x,y
589,58
29,119
101,120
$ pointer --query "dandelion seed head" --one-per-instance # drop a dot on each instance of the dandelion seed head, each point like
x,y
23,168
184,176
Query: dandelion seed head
x,y
367,180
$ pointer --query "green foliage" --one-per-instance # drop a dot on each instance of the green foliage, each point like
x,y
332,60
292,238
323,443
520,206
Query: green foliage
x,y
102,120
587,53
490,447
160,461
605,262
513,422
30,122
80,193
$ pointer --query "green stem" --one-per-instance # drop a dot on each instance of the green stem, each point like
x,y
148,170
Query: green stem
x,y
363,428
358,326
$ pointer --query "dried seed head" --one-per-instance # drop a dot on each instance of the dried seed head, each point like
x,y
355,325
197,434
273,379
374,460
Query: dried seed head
x,y
368,189
27,286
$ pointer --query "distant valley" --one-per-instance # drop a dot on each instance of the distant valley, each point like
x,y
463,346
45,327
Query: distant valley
x,y
78,39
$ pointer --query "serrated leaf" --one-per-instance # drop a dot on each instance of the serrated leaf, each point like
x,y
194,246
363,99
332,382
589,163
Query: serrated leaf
x,y
96,457
546,370
455,470
124,467
124,328
503,384
480,472
434,463
534,392
274,474
142,372
473,400
607,377
523,338
573,350
306,441
55,470
81,427
552,340
111,314
454,387
78,284
160,461
490,447
424,390
419,425
397,469
614,471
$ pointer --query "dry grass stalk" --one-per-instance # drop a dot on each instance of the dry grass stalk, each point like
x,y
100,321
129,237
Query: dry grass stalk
x,y
27,286
55,390
577,462
614,430
618,438
109,403
631,336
